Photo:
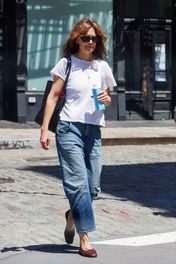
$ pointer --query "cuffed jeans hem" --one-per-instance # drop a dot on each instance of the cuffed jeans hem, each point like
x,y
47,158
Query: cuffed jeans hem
x,y
86,231
95,196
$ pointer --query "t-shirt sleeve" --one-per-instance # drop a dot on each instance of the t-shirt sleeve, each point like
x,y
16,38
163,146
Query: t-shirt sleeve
x,y
107,76
60,69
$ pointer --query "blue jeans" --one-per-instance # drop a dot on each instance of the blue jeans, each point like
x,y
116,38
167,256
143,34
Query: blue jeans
x,y
79,151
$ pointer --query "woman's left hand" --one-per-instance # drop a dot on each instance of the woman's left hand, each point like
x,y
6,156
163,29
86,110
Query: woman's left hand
x,y
44,138
105,98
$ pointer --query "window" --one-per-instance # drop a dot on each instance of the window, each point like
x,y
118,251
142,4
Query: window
x,y
160,62
49,23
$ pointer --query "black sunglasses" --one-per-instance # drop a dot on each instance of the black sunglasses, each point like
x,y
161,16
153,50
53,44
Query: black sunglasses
x,y
86,39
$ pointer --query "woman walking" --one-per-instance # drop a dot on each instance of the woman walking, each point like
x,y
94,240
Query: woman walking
x,y
78,135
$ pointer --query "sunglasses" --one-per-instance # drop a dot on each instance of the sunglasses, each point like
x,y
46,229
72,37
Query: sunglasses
x,y
87,39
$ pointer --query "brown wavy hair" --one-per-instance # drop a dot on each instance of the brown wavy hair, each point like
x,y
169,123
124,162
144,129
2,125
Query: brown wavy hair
x,y
81,29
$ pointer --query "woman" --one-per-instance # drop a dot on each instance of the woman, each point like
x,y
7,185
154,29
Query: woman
x,y
78,135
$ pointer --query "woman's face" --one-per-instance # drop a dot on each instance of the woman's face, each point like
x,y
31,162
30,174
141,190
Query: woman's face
x,y
87,43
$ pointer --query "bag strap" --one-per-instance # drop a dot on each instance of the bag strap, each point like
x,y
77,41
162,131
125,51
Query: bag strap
x,y
67,72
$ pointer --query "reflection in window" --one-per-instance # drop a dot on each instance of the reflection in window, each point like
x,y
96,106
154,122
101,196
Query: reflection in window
x,y
160,62
49,23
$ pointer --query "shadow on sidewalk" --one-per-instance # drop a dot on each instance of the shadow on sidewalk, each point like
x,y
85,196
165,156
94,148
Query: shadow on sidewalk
x,y
47,248
152,185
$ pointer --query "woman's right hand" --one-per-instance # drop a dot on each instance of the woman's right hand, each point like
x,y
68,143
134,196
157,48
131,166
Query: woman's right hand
x,y
44,138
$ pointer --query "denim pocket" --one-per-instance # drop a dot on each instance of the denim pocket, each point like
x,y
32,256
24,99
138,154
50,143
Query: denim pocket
x,y
63,127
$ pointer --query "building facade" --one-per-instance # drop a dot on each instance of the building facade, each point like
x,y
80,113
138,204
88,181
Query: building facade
x,y
141,47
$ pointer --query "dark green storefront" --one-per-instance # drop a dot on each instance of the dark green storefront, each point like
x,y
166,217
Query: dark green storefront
x,y
140,44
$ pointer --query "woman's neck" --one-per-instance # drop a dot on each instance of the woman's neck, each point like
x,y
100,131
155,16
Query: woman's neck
x,y
81,56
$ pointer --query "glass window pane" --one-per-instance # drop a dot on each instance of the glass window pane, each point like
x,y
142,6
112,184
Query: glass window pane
x,y
160,57
48,26
160,62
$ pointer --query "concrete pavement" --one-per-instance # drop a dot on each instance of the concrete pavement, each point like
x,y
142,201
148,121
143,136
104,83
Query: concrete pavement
x,y
138,199
14,136
63,254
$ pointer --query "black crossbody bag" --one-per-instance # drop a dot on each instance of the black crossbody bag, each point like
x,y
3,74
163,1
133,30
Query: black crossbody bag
x,y
59,105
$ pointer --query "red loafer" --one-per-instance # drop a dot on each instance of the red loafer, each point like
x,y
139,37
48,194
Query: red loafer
x,y
91,253
68,234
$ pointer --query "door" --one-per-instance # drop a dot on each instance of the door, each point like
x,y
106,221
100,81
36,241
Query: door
x,y
162,74
147,70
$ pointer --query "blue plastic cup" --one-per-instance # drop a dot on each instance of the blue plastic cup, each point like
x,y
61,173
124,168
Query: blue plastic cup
x,y
98,105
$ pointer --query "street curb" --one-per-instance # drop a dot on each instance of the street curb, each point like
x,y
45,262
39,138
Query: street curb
x,y
139,141
33,143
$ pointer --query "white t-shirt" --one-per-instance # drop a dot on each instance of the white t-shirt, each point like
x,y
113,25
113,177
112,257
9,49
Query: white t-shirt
x,y
84,75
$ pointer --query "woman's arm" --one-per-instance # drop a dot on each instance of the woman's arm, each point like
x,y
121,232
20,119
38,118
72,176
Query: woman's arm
x,y
49,109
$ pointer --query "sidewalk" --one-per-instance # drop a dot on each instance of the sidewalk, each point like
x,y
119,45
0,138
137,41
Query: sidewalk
x,y
63,254
14,135
137,199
